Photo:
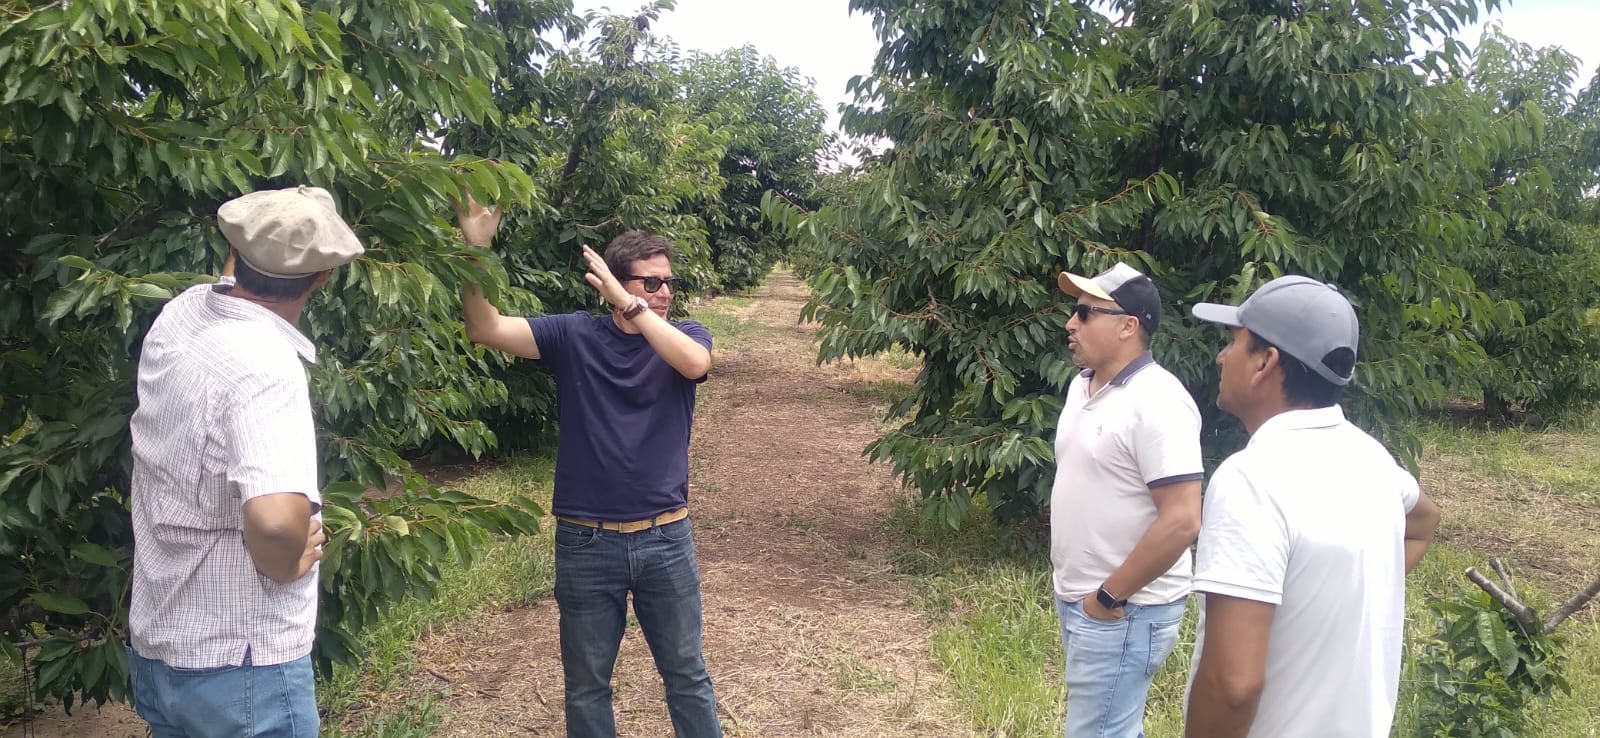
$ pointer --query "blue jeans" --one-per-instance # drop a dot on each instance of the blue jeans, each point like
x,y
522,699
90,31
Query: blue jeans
x,y
595,571
1110,664
277,701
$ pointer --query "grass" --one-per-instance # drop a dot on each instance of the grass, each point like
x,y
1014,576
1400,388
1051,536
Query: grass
x,y
1532,462
853,674
418,719
509,572
727,327
994,626
996,632
13,692
900,358
882,392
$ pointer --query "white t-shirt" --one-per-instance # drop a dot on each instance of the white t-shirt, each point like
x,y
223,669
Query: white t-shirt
x,y
1310,517
1140,431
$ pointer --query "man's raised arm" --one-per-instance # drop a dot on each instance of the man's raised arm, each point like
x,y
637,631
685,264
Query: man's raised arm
x,y
485,324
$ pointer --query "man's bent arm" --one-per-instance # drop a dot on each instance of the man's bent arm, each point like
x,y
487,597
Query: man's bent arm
x,y
1175,528
276,527
1421,523
1233,668
487,326
675,347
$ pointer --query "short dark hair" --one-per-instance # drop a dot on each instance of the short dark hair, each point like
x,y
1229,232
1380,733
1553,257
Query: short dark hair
x,y
1301,385
632,246
275,288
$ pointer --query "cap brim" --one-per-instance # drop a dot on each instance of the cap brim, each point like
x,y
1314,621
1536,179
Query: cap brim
x,y
1077,286
1211,312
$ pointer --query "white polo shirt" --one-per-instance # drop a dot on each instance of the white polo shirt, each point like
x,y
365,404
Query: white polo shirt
x,y
224,416
1310,517
1140,431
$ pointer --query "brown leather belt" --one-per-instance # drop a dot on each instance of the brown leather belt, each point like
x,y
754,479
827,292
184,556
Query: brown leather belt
x,y
633,526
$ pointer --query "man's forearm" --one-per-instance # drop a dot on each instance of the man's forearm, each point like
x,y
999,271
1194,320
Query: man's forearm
x,y
1422,522
1415,549
1155,553
479,314
676,348
277,552
1213,714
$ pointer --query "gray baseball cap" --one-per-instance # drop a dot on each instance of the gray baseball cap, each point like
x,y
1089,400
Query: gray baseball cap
x,y
1304,318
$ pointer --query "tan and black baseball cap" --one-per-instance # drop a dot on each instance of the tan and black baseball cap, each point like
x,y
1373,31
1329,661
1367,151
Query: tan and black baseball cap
x,y
1129,288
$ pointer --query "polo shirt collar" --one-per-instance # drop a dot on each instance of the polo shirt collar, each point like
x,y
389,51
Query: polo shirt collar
x,y
1145,359
1293,420
219,302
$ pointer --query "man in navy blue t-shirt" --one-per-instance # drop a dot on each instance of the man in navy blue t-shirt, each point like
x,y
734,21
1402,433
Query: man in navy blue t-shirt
x,y
625,388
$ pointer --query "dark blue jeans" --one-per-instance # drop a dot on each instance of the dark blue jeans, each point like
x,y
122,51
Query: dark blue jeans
x,y
277,701
595,571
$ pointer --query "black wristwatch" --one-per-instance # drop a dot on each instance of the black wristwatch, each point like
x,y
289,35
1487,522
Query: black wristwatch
x,y
1107,600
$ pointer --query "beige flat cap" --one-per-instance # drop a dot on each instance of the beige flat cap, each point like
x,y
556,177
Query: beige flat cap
x,y
288,233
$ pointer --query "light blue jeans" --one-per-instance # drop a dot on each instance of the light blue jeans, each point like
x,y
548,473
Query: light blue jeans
x,y
1110,664
244,701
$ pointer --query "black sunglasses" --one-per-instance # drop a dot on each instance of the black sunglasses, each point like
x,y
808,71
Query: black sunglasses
x,y
1084,311
651,284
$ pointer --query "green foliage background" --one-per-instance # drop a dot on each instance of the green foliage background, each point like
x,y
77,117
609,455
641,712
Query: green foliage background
x,y
124,125
1215,144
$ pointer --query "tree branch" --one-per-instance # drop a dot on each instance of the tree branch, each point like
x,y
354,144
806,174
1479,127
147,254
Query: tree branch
x,y
575,151
1505,577
1523,613
1572,605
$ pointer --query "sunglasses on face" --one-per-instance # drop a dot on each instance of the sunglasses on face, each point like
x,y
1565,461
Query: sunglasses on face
x,y
651,284
1084,311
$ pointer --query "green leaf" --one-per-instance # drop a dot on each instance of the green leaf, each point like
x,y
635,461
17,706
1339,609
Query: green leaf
x,y
1494,639
94,554
76,262
59,603
145,289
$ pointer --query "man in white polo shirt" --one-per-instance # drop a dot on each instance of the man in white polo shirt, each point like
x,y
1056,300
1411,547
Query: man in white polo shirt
x,y
225,490
1307,537
1125,505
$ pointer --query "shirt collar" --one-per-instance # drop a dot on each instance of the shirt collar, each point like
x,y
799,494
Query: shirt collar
x,y
1293,420
218,300
1145,359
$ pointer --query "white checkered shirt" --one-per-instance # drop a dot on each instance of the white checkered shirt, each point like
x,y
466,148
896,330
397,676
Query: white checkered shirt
x,y
224,416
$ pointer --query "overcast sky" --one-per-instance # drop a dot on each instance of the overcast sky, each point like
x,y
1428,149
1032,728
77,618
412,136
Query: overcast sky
x,y
829,44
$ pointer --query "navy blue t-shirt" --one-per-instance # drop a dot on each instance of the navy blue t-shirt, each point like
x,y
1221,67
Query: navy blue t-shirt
x,y
624,416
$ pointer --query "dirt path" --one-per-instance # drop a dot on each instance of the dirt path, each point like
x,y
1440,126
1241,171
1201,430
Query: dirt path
x,y
807,631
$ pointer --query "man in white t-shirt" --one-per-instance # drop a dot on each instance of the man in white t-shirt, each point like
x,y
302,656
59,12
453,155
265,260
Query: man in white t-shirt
x,y
1124,507
1307,535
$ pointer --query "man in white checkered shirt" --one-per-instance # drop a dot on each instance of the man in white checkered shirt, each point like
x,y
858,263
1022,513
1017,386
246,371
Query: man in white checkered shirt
x,y
225,488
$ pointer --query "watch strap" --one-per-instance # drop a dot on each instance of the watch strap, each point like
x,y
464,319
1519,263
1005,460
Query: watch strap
x,y
1107,600
638,306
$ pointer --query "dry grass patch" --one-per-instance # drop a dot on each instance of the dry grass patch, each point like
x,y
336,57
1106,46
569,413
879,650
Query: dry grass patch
x,y
1531,497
